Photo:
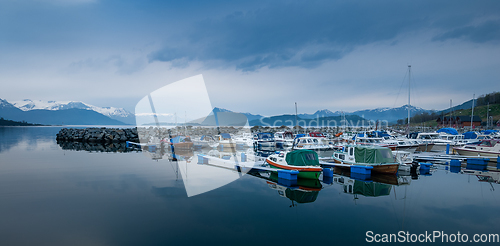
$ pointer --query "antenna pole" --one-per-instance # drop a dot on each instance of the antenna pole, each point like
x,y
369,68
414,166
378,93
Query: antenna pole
x,y
472,116
488,116
409,83
450,114
296,122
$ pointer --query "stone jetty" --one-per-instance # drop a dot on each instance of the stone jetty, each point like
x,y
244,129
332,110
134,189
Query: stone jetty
x,y
98,135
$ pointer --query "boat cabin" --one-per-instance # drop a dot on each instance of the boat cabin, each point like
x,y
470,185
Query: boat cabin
x,y
316,134
283,135
265,136
365,154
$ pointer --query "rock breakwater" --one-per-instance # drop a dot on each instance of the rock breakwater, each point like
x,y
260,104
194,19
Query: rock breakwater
x,y
98,135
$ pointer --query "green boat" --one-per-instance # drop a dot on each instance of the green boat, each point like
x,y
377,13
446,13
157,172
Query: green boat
x,y
304,161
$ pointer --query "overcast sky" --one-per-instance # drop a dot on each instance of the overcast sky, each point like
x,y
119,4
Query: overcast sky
x,y
255,56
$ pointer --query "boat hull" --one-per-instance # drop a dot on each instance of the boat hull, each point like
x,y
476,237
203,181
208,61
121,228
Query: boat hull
x,y
425,147
471,152
304,172
391,168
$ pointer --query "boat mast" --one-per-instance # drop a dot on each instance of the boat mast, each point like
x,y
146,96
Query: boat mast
x,y
451,111
409,81
296,128
488,116
472,116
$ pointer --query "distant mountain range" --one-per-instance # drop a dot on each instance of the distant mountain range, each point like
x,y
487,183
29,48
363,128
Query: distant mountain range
x,y
465,105
80,113
389,114
63,113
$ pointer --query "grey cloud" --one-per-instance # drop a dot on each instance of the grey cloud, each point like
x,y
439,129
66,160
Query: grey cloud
x,y
281,34
485,32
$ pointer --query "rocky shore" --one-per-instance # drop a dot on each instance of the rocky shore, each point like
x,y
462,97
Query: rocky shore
x,y
98,135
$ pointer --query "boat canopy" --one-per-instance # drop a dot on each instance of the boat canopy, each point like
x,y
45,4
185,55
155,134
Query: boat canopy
x,y
225,135
470,135
379,134
302,157
265,135
488,132
373,154
179,139
451,131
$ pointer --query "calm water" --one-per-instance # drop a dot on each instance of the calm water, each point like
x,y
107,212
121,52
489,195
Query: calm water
x,y
55,196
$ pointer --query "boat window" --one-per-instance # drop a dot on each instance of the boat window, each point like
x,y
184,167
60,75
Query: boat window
x,y
485,143
308,140
350,188
386,153
342,157
315,140
351,151
310,156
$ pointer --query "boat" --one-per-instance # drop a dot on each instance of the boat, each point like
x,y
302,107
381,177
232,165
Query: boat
x,y
181,143
302,141
245,139
380,158
264,141
225,141
403,144
206,141
404,158
374,141
283,139
304,161
487,147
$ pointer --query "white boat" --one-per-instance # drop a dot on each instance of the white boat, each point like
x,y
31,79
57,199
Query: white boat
x,y
489,148
206,141
433,138
403,144
225,140
311,143
404,158
285,139
264,141
246,139
374,141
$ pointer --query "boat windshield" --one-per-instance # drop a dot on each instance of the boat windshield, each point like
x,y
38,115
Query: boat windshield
x,y
386,153
486,144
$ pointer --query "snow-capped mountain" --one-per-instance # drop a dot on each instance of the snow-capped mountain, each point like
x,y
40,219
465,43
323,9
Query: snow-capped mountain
x,y
319,114
386,113
70,116
389,114
112,112
28,104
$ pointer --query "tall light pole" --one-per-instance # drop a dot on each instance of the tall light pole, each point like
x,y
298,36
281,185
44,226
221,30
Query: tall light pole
x,y
472,115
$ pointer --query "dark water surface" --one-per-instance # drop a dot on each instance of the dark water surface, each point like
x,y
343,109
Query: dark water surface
x,y
55,196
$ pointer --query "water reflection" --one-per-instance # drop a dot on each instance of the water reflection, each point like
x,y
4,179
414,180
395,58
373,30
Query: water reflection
x,y
298,191
30,136
95,147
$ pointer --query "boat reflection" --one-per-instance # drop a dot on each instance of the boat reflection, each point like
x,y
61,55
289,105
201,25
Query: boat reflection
x,y
298,191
